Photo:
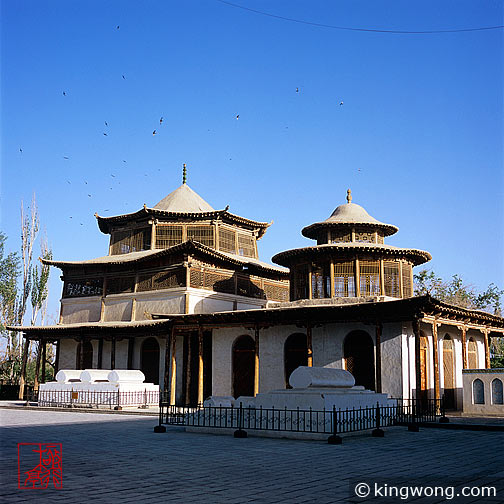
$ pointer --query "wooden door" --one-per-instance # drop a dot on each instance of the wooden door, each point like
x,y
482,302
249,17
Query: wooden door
x,y
243,366
295,354
358,350
149,360
449,373
472,354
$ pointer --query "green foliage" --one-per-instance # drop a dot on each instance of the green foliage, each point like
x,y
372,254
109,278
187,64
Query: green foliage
x,y
457,293
10,271
497,352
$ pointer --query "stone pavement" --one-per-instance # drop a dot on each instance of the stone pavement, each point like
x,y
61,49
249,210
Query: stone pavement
x,y
118,458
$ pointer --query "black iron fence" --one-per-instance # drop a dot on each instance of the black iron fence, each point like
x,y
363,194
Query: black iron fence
x,y
333,421
94,399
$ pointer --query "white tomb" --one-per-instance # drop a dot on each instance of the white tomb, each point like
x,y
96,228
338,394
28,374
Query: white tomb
x,y
104,388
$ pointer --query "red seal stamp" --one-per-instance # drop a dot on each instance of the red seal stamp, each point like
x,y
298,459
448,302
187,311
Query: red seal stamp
x,y
39,466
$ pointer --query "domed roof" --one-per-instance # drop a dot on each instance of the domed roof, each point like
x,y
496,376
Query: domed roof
x,y
349,214
184,200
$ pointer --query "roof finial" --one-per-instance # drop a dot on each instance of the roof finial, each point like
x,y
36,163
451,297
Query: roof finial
x,y
349,196
184,174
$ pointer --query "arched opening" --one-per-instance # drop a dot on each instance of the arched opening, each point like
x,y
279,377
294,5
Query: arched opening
x,y
295,354
358,351
449,373
478,392
149,360
497,391
87,357
243,366
424,368
472,354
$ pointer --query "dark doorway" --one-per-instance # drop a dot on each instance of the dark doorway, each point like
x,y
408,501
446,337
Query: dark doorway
x,y
295,354
88,356
149,360
243,366
358,350
449,373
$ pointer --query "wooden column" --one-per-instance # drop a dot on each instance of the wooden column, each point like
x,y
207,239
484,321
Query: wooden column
x,y
487,349
37,367
310,288
331,272
464,346
153,236
418,371
188,370
112,353
100,353
131,344
435,358
22,378
382,278
81,353
256,361
173,369
200,365
401,286
43,369
357,278
57,358
166,377
309,344
379,329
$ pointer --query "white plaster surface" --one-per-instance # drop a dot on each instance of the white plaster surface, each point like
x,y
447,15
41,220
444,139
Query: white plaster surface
x,y
319,377
117,310
488,408
75,311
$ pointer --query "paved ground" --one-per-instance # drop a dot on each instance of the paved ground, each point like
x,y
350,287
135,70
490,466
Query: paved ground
x,y
118,458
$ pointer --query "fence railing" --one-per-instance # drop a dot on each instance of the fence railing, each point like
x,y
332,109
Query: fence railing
x,y
328,421
94,399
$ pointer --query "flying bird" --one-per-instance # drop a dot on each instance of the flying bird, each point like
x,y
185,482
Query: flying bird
x,y
154,132
238,117
68,181
105,134
64,94
70,217
341,103
124,160
106,123
20,150
117,27
297,90
112,175
89,195
66,157
124,77
161,121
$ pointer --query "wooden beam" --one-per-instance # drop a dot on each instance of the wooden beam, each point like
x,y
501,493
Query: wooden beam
x,y
200,365
173,369
310,288
435,358
331,273
256,361
309,344
22,378
487,349
379,329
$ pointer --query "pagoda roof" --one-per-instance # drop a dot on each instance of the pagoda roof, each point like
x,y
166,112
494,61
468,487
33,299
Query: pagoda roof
x,y
189,246
352,248
349,214
183,200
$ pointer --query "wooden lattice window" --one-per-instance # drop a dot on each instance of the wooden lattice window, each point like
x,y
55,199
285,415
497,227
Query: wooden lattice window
x,y
218,282
276,292
369,278
168,236
379,238
472,354
168,279
227,240
246,245
344,279
392,279
124,242
321,282
364,236
249,288
118,285
83,287
406,279
196,278
341,236
301,281
201,234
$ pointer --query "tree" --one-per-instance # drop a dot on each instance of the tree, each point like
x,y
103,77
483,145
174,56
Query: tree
x,y
459,294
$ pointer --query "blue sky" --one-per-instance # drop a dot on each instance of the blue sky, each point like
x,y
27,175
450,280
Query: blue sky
x,y
418,138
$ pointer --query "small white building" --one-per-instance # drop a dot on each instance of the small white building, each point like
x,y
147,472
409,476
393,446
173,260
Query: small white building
x,y
183,296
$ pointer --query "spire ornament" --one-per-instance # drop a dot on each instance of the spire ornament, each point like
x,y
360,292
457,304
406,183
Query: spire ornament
x,y
184,174
349,196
